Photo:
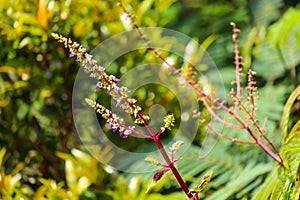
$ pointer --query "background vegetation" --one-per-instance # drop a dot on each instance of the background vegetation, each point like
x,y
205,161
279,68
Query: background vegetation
x,y
41,156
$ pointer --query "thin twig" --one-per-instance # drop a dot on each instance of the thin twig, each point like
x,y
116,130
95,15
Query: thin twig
x,y
260,130
237,66
211,111
229,138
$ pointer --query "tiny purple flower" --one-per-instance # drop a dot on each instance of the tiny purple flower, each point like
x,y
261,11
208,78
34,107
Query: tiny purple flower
x,y
125,89
71,54
118,103
99,86
90,60
116,89
123,134
78,60
116,79
108,89
135,112
113,128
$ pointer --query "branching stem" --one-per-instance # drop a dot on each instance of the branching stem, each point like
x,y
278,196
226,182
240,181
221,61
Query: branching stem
x,y
202,94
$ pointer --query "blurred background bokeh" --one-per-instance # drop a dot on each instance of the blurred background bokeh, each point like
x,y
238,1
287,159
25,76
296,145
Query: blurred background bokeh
x,y
41,156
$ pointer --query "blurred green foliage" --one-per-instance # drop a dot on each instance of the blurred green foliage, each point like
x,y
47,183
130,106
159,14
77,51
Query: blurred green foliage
x,y
40,156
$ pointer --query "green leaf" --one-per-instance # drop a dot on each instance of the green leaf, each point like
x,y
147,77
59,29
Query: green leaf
x,y
173,196
287,179
284,124
282,29
82,157
82,27
22,111
2,154
295,130
241,179
264,12
144,7
267,58
156,185
270,183
204,182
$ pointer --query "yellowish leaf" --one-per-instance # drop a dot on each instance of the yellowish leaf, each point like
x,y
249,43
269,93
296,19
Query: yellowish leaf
x,y
42,16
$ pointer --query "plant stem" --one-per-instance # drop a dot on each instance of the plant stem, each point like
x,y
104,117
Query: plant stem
x,y
163,152
166,158
172,167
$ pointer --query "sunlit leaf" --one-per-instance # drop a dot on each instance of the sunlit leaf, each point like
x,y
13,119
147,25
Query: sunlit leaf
x,y
23,110
42,16
204,182
286,113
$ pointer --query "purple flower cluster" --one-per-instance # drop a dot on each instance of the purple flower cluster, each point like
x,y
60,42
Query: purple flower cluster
x,y
105,82
115,122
